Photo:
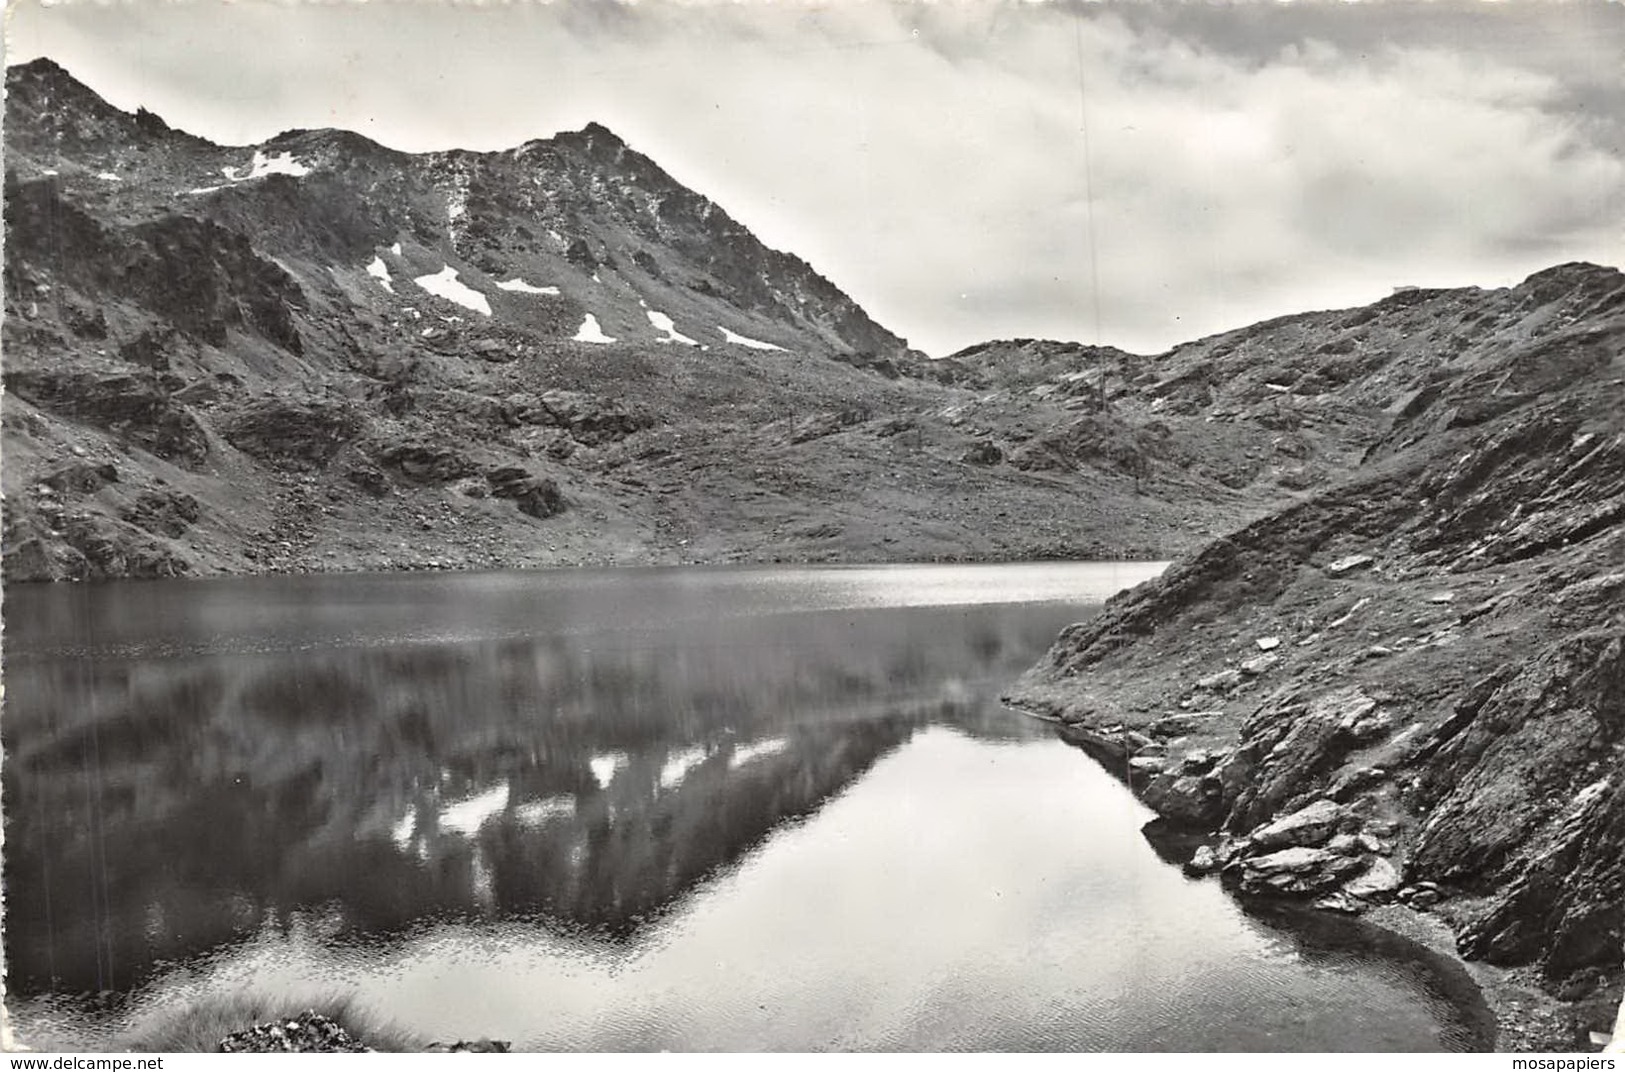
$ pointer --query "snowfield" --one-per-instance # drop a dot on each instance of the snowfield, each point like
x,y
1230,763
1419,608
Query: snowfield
x,y
742,340
108,176
444,284
662,322
281,164
519,286
591,332
380,271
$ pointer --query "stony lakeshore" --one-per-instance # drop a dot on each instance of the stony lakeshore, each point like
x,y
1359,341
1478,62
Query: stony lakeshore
x,y
1409,689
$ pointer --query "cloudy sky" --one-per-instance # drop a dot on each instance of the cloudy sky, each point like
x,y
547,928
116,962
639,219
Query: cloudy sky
x,y
1133,173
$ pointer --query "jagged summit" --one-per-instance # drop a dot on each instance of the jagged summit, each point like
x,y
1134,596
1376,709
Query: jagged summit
x,y
592,231
39,72
56,112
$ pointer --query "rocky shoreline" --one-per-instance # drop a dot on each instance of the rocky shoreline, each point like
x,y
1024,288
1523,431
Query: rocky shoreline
x,y
1410,688
1333,859
1391,694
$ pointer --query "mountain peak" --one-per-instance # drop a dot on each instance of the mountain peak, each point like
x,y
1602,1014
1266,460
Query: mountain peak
x,y
592,222
45,76
43,67
1575,281
594,141
49,110
597,131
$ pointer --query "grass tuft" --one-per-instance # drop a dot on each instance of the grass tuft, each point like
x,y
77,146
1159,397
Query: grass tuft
x,y
199,1028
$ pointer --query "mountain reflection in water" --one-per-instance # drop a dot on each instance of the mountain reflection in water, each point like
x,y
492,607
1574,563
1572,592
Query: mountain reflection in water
x,y
684,809
181,791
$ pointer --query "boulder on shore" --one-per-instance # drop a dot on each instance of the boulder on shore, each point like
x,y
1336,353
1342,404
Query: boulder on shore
x,y
1311,825
1299,871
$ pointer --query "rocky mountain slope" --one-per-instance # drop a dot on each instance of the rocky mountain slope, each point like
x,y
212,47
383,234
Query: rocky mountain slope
x,y
321,354
317,353
1409,686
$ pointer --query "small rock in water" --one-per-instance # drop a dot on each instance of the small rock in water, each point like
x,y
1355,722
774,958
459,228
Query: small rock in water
x,y
310,1033
1203,861
483,1045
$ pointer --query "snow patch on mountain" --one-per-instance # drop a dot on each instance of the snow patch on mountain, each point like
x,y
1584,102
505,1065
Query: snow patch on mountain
x,y
108,176
519,286
457,203
662,322
743,340
396,249
591,332
445,284
380,271
262,165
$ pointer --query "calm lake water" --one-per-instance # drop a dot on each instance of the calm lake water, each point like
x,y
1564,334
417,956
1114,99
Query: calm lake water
x,y
648,809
